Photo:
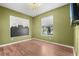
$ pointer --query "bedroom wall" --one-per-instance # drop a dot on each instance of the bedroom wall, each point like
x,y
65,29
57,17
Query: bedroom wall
x,y
63,31
5,25
76,39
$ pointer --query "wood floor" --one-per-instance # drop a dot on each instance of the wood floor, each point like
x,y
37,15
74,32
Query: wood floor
x,y
35,48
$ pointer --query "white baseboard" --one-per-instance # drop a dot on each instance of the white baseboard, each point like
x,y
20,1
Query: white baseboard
x,y
57,44
74,52
53,43
14,42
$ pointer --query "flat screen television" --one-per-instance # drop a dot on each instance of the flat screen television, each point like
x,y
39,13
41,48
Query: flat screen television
x,y
74,12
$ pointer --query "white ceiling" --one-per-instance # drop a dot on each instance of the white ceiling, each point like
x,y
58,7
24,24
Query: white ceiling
x,y
26,9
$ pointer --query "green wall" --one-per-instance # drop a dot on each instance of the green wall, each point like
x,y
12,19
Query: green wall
x,y
76,38
63,31
5,25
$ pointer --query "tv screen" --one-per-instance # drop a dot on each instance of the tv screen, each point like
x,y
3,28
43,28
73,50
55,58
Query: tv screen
x,y
74,11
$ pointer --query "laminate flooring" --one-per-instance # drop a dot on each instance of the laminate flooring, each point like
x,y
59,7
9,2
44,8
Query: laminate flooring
x,y
35,48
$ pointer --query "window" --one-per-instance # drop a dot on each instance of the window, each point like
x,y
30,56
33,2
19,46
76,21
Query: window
x,y
47,25
19,26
